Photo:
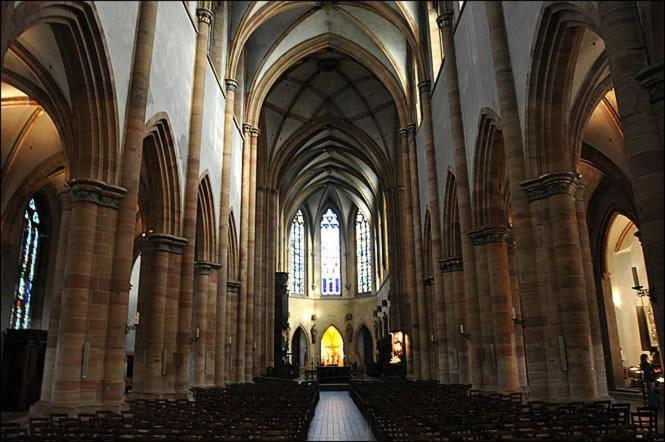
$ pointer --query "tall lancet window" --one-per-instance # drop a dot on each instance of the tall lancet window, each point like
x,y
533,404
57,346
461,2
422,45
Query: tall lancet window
x,y
297,238
363,254
20,318
330,254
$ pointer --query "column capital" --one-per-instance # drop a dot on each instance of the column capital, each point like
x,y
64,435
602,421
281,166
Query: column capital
x,y
487,234
232,287
452,264
164,242
254,132
445,20
204,15
551,184
230,84
403,132
246,128
429,281
96,192
652,79
411,130
202,267
425,86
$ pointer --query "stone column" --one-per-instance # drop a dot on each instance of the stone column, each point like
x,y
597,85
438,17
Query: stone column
x,y
408,263
463,197
149,355
231,345
270,275
176,248
433,193
503,330
210,349
591,293
451,323
132,154
639,94
250,342
416,225
244,258
454,267
558,190
204,17
222,257
259,278
200,334
530,295
74,344
58,284
485,330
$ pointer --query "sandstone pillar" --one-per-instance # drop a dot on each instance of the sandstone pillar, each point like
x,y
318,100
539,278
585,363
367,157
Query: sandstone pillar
x,y
485,330
575,346
244,256
433,193
408,263
250,343
454,267
417,245
176,247
222,257
210,350
639,94
463,198
591,293
502,345
531,296
204,17
132,154
200,334
451,323
259,280
58,285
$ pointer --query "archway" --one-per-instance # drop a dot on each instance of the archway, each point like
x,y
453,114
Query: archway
x,y
299,348
332,347
365,346
631,316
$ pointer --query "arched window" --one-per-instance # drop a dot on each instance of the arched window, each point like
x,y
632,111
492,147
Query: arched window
x,y
330,254
363,254
297,271
27,266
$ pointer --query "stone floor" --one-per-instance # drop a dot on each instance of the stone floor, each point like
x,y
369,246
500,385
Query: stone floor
x,y
337,418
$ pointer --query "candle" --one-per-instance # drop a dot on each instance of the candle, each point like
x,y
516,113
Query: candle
x,y
636,280
461,329
514,313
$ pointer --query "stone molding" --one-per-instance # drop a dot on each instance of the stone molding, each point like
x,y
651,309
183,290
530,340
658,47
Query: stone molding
x,y
429,281
204,15
425,86
96,192
403,132
202,268
652,80
411,129
233,287
164,242
487,234
551,184
230,84
454,264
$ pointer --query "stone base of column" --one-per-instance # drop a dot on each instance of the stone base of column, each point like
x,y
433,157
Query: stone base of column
x,y
45,408
133,395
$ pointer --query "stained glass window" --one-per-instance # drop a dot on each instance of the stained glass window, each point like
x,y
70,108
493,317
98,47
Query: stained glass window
x,y
363,254
297,238
330,254
27,265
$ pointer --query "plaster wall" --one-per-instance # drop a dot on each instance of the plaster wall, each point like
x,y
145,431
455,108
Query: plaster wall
x,y
119,21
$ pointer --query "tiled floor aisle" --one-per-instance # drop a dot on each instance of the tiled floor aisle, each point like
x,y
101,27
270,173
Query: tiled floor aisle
x,y
337,418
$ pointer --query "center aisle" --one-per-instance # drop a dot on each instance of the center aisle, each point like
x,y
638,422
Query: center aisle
x,y
337,418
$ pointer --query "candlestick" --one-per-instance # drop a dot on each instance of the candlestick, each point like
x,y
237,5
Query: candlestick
x,y
636,279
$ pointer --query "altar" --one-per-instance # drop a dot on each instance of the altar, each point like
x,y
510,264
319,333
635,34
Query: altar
x,y
332,374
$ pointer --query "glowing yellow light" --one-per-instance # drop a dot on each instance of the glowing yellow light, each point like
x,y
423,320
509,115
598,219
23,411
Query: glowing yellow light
x,y
332,347
616,298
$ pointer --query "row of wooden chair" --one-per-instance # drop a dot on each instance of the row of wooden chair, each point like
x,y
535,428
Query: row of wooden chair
x,y
407,410
266,411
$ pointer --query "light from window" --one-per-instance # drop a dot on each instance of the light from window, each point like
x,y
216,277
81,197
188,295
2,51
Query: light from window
x,y
363,254
20,318
330,254
297,272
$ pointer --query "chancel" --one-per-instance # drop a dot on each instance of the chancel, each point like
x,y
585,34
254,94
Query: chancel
x,y
349,220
